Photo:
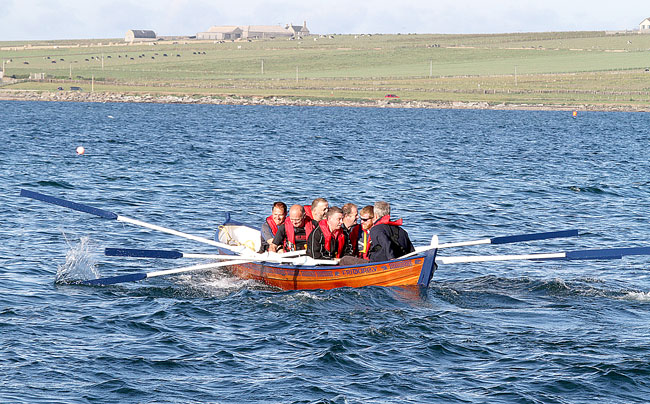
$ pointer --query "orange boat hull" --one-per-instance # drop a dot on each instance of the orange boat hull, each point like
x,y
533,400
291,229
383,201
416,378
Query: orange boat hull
x,y
394,273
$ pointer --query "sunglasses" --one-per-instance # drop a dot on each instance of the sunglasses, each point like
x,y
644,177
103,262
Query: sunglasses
x,y
363,219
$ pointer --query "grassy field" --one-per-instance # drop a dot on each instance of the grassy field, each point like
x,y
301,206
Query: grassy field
x,y
555,68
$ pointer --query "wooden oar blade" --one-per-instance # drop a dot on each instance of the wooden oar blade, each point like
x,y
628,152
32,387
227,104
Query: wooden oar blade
x,y
115,279
138,253
68,204
534,236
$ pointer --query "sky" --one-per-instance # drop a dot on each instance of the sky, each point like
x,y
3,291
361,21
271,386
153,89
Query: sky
x,y
90,19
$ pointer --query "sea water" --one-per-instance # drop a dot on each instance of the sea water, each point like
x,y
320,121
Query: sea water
x,y
501,332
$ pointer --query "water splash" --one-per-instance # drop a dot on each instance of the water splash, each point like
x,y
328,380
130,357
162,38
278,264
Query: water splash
x,y
638,296
80,263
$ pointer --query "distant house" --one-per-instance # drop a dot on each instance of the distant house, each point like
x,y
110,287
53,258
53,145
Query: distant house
x,y
136,35
228,32
232,32
644,26
297,30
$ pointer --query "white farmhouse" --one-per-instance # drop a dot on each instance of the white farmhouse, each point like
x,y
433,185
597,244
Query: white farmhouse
x,y
644,26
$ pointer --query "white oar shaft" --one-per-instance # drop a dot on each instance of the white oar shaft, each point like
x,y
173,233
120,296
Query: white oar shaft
x,y
136,222
277,258
487,258
194,268
465,243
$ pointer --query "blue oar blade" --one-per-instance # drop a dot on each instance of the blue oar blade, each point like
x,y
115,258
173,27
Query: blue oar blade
x,y
534,236
68,204
132,252
115,279
607,253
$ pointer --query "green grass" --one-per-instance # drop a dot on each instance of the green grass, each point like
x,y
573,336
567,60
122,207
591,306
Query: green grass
x,y
548,68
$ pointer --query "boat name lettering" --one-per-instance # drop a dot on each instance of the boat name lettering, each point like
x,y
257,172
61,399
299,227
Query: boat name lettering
x,y
357,271
400,264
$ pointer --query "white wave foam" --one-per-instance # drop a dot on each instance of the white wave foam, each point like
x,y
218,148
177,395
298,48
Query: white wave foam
x,y
80,263
638,296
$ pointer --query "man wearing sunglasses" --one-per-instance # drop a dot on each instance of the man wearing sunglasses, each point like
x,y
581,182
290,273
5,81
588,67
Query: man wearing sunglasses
x,y
367,215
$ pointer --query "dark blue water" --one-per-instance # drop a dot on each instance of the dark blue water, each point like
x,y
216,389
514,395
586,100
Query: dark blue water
x,y
507,332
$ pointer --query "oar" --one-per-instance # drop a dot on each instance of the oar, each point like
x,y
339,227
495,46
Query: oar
x,y
597,254
501,240
114,216
140,276
174,254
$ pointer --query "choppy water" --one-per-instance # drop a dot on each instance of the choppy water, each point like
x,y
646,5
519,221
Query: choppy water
x,y
509,332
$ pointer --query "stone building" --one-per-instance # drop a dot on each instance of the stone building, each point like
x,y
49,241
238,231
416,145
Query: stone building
x,y
297,30
228,32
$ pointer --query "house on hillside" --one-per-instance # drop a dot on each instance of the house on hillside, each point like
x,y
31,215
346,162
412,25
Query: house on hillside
x,y
644,26
297,30
139,35
228,32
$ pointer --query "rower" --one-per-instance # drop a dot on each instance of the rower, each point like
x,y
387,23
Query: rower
x,y
292,235
366,215
351,228
270,226
389,240
327,241
316,212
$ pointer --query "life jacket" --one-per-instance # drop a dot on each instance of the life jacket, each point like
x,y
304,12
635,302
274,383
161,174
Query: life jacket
x,y
308,214
272,225
329,236
364,244
386,220
354,238
290,242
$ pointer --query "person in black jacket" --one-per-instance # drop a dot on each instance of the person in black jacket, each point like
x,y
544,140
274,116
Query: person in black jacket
x,y
327,241
389,240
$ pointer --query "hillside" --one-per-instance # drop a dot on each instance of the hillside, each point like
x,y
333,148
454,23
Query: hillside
x,y
554,68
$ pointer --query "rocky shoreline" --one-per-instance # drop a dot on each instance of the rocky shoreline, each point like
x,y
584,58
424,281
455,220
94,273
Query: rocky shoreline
x,y
78,96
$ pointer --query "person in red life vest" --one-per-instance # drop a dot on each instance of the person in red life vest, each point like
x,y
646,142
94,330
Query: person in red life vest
x,y
292,235
353,232
327,241
316,212
351,228
366,215
389,240
270,226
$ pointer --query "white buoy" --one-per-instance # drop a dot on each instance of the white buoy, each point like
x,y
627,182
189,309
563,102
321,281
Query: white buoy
x,y
80,150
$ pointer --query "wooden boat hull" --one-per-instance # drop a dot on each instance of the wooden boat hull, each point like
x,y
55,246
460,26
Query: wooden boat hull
x,y
415,270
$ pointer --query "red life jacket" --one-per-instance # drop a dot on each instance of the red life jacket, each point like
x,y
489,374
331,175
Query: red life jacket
x,y
272,225
354,238
290,242
329,236
386,220
308,212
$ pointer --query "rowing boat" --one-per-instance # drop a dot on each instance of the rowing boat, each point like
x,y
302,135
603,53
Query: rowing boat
x,y
414,270
238,244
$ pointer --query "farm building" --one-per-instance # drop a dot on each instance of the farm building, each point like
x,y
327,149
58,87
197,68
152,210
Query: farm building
x,y
231,32
297,30
265,31
644,26
219,33
143,35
